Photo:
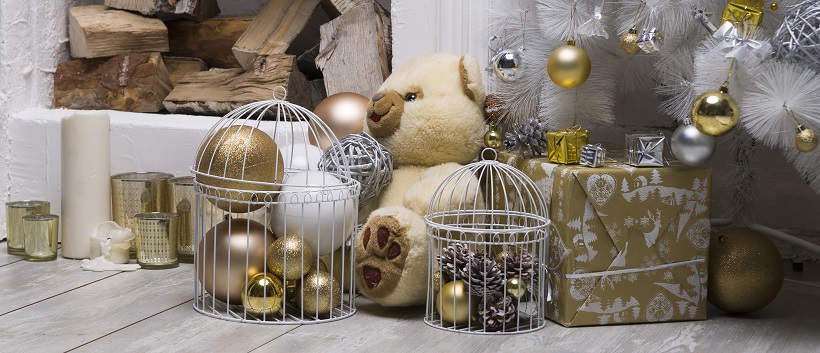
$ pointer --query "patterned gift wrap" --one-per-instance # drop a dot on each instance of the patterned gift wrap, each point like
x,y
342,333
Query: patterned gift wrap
x,y
565,145
628,245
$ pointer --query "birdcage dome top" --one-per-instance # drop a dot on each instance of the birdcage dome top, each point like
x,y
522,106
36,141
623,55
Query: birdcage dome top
x,y
488,198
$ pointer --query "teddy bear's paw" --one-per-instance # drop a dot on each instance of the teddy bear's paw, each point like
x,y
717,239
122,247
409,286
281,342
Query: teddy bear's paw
x,y
381,255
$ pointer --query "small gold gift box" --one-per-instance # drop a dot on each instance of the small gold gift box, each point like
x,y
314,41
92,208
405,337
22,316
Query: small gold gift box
x,y
565,145
744,12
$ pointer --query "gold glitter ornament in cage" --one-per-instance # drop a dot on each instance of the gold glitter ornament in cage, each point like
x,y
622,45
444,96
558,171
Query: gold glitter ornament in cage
x,y
240,167
482,209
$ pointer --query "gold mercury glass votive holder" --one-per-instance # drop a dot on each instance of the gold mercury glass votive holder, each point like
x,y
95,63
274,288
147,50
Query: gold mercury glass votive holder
x,y
183,200
15,211
157,240
41,236
138,192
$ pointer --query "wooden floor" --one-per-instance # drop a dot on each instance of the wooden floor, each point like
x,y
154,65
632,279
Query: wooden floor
x,y
55,306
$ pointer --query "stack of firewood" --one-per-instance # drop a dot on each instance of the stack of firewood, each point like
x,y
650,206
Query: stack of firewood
x,y
193,62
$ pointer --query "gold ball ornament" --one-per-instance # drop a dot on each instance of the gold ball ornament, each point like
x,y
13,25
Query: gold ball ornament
x,y
629,42
453,303
344,113
569,66
263,295
516,288
289,257
715,113
493,138
805,139
774,6
246,241
319,293
241,153
745,271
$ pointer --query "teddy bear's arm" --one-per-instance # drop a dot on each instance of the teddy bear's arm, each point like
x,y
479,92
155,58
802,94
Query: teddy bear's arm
x,y
418,195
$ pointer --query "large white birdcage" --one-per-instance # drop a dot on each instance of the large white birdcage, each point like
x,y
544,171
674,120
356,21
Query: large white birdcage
x,y
487,226
273,232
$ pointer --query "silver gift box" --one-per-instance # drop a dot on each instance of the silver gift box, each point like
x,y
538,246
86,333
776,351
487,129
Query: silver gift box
x,y
593,155
645,150
650,40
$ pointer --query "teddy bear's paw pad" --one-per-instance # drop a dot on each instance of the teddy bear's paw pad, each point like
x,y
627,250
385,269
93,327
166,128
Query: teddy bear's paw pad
x,y
380,255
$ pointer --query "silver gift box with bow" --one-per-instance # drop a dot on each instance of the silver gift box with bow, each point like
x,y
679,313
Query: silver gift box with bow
x,y
593,155
645,150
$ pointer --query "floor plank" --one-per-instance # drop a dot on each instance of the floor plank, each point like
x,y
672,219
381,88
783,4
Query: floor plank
x,y
5,257
189,331
87,313
23,283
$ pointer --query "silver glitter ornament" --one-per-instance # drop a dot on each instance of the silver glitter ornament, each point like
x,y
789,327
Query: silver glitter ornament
x,y
798,38
691,146
370,163
507,64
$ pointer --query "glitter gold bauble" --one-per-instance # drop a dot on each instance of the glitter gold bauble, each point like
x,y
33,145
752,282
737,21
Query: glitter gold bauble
x,y
745,271
805,139
569,66
289,257
319,293
715,113
516,288
263,295
493,138
629,42
453,303
338,264
240,153
243,244
435,282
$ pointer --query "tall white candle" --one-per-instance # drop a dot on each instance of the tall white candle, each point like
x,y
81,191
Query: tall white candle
x,y
86,183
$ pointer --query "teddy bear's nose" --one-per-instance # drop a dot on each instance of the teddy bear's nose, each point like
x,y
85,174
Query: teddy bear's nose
x,y
377,97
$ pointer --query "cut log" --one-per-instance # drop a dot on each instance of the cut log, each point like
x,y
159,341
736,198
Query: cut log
x,y
194,9
179,66
355,51
210,40
336,8
218,91
135,82
307,64
317,92
96,31
273,29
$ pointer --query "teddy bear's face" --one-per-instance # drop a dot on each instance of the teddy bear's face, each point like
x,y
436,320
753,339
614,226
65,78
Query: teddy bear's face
x,y
429,111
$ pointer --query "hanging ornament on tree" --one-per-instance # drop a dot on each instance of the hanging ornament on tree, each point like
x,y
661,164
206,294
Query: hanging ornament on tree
x,y
569,66
629,41
747,12
506,64
594,26
797,38
492,113
715,113
690,146
702,15
805,139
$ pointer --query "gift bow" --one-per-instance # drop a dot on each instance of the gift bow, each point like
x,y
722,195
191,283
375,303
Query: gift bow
x,y
728,37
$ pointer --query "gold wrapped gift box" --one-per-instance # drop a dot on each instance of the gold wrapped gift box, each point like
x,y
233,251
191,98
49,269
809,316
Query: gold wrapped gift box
x,y
628,245
564,146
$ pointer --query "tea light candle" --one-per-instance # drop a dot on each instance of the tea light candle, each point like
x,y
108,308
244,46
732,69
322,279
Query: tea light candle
x,y
112,242
86,188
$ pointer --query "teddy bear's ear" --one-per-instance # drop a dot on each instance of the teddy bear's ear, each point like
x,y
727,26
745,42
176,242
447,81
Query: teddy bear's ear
x,y
471,79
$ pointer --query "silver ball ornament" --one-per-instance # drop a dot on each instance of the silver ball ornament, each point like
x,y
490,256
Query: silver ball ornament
x,y
692,147
507,64
368,161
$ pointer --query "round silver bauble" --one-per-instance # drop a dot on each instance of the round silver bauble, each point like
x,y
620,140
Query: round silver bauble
x,y
507,64
691,146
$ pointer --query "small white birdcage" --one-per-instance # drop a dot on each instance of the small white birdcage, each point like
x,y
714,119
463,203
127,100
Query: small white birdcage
x,y
487,226
272,230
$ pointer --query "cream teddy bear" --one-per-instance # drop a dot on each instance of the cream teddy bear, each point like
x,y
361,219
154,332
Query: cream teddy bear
x,y
429,114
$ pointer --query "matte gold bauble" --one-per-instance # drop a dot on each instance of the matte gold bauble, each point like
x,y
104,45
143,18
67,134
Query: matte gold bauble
x,y
240,153
343,113
289,257
339,266
493,138
629,42
569,66
245,243
745,270
805,139
319,293
516,288
453,303
263,295
715,113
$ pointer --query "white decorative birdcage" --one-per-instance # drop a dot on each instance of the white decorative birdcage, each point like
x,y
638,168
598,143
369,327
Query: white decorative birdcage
x,y
487,226
272,230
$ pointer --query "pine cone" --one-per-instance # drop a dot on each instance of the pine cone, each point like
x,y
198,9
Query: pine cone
x,y
521,265
498,312
531,136
454,260
483,277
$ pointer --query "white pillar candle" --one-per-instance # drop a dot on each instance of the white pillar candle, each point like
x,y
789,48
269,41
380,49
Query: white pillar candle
x,y
86,184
